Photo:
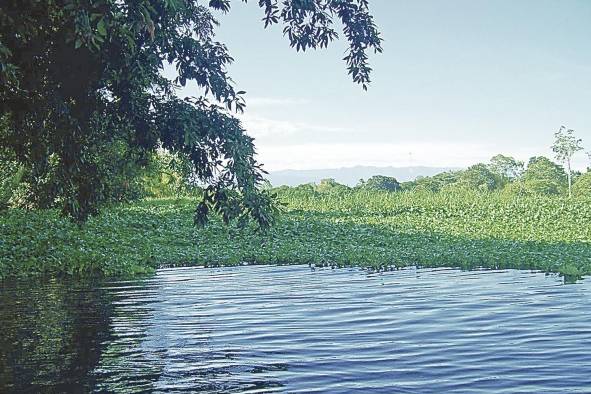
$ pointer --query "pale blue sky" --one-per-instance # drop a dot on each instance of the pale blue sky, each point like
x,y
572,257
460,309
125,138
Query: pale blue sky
x,y
458,81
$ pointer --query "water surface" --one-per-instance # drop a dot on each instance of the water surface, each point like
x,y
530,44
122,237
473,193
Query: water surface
x,y
291,329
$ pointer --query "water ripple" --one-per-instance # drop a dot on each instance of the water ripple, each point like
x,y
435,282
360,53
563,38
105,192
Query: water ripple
x,y
262,329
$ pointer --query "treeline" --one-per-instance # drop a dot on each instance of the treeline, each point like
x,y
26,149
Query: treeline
x,y
541,175
165,174
503,173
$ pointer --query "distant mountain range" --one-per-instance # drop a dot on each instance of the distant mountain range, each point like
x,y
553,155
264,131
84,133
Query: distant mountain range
x,y
351,175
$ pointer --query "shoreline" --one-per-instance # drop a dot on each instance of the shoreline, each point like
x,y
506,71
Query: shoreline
x,y
390,231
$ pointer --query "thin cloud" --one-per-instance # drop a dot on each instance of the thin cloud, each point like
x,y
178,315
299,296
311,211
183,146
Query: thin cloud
x,y
263,128
274,101
433,154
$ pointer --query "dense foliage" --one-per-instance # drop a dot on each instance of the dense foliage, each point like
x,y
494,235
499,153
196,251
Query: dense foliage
x,y
541,176
433,183
544,176
83,100
582,187
381,183
349,227
328,185
506,168
478,177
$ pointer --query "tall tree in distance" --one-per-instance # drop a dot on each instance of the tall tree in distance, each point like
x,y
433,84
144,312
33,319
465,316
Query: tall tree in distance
x,y
564,147
82,93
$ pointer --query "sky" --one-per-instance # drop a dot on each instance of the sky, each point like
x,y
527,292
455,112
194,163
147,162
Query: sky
x,y
458,81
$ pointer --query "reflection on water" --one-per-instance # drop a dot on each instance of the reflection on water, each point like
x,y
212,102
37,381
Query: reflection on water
x,y
51,335
292,329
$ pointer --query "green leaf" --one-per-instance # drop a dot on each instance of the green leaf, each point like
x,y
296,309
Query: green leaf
x,y
101,27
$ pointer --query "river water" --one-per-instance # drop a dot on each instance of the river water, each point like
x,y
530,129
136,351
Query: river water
x,y
259,329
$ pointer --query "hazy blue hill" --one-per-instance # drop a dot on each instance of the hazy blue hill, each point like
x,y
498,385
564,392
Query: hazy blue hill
x,y
350,175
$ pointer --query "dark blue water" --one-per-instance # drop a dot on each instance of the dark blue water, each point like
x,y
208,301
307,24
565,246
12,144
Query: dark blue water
x,y
261,329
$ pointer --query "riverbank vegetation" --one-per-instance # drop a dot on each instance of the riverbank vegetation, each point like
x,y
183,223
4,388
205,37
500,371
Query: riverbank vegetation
x,y
501,214
105,169
377,229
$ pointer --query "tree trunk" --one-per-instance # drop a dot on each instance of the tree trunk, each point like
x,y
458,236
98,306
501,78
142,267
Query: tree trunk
x,y
569,178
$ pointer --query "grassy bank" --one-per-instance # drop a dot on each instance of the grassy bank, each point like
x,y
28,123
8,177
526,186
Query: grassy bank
x,y
349,228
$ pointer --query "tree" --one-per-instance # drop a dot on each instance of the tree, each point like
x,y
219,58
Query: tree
x,y
167,175
433,183
381,182
543,176
506,168
582,186
329,185
478,177
565,146
82,94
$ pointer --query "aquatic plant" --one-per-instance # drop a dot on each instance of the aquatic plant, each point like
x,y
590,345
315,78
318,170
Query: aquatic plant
x,y
353,227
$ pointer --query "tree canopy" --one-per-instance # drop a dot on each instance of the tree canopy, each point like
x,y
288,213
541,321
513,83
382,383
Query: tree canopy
x,y
478,177
82,93
329,185
507,168
582,186
564,147
544,176
382,182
